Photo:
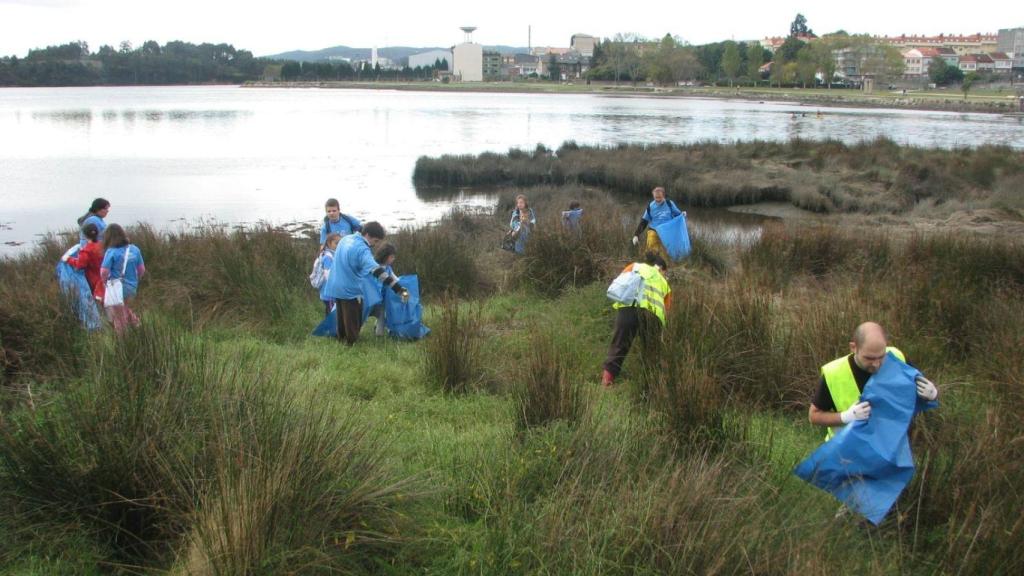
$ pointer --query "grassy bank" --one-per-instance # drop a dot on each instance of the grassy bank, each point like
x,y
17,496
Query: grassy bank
x,y
878,177
221,439
987,101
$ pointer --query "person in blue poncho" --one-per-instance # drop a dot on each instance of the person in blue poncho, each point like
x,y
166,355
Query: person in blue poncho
x,y
573,217
98,210
353,261
335,222
836,402
385,256
658,212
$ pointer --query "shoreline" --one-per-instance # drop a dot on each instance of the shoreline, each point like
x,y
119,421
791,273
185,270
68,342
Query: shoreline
x,y
834,98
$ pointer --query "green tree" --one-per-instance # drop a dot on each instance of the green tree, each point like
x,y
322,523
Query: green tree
x,y
777,75
553,72
806,66
968,82
731,61
755,59
799,26
825,59
790,48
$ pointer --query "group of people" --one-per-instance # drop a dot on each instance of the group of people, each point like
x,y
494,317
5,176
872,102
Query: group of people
x,y
351,253
524,220
112,267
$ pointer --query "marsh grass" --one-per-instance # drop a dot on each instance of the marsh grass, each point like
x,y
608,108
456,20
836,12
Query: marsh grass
x,y
549,389
162,441
452,355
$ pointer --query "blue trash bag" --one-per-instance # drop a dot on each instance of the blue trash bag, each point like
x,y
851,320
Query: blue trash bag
x,y
675,236
405,320
328,326
371,297
73,283
868,463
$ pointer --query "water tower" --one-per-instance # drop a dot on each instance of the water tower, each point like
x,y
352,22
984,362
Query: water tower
x,y
469,33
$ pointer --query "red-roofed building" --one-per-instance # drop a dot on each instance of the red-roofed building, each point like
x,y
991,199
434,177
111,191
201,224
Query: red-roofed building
x,y
1003,64
773,43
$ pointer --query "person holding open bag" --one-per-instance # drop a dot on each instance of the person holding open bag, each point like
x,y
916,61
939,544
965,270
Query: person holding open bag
x,y
121,271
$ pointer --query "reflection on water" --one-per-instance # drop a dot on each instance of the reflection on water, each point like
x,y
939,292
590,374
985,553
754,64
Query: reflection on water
x,y
241,155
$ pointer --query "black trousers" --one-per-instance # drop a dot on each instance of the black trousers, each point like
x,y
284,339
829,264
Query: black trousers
x,y
350,320
629,322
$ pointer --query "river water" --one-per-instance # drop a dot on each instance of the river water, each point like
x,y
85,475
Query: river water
x,y
173,156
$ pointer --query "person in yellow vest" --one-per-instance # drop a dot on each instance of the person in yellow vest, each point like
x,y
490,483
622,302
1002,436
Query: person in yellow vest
x,y
836,402
646,316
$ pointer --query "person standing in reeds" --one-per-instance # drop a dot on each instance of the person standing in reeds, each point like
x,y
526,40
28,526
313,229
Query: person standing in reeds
x,y
837,400
385,256
658,212
90,259
326,261
646,316
98,210
335,222
572,218
522,223
122,263
353,260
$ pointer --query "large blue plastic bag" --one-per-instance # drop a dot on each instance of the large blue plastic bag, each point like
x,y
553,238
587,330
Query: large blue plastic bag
x,y
73,283
371,297
868,463
405,320
675,237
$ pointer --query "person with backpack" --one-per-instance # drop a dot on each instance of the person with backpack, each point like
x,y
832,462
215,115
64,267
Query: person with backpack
x,y
658,212
121,270
322,270
641,312
98,210
90,259
335,222
353,261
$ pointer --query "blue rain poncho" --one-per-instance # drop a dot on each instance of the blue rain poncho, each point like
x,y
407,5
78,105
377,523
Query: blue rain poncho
x,y
675,237
371,297
75,287
868,463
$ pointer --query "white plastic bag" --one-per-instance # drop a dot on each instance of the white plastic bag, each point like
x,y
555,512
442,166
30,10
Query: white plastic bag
x,y
626,288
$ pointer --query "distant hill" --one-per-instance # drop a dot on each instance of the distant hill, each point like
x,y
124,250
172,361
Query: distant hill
x,y
392,52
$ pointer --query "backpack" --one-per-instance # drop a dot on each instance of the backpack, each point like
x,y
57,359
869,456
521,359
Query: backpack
x,y
355,226
318,276
626,288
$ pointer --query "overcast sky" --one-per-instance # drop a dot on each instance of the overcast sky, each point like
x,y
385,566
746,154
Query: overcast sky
x,y
273,27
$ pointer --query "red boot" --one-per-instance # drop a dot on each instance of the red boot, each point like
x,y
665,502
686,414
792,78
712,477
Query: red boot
x,y
607,379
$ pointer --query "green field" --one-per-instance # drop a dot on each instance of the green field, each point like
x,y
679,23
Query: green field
x,y
219,438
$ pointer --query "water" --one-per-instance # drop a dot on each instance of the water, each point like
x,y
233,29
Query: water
x,y
173,155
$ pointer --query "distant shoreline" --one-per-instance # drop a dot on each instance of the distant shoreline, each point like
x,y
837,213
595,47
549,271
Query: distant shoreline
x,y
837,97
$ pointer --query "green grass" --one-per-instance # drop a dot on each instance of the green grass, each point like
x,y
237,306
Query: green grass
x,y
223,440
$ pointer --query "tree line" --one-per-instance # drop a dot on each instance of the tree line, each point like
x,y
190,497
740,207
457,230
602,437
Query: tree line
x,y
802,59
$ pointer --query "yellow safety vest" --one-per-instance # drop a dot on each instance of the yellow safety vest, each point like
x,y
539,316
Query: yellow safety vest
x,y
656,288
843,386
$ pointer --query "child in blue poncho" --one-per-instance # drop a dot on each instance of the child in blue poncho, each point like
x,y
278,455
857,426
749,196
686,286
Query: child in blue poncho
x,y
571,218
326,261
521,225
98,210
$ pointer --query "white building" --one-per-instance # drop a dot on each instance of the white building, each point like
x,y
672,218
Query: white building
x,y
1011,41
584,44
425,59
468,62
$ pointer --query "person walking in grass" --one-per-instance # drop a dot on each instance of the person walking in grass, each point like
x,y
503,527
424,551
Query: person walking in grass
x,y
335,222
353,260
123,266
572,218
646,316
98,210
836,402
658,212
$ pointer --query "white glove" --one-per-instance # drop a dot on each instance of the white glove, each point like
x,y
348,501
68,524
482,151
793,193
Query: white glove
x,y
859,411
636,241
405,296
925,388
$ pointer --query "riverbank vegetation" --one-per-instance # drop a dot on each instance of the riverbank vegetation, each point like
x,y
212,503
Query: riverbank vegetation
x,y
877,177
220,438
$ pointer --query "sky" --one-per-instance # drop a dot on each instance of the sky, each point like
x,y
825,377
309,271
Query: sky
x,y
267,28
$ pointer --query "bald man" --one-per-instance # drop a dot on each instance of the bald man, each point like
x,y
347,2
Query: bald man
x,y
842,380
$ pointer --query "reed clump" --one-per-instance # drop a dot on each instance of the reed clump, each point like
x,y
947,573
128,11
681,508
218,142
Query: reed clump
x,y
453,360
168,455
548,388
